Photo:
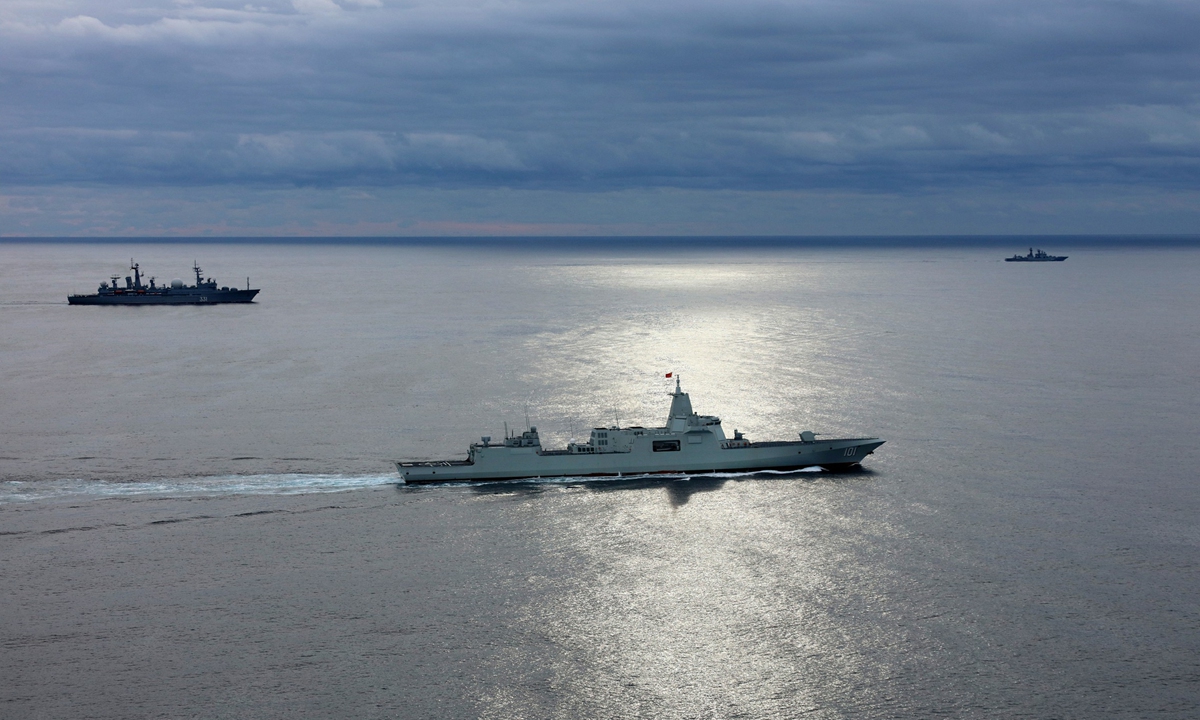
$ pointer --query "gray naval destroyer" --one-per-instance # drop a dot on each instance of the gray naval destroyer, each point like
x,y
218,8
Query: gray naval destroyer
x,y
136,292
1039,256
687,444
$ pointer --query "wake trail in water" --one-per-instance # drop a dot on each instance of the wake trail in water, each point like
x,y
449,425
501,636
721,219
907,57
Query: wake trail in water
x,y
15,491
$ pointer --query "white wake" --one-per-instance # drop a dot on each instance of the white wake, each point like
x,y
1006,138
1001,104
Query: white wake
x,y
271,484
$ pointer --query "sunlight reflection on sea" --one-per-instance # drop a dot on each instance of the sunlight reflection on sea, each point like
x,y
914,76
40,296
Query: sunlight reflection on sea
x,y
1021,546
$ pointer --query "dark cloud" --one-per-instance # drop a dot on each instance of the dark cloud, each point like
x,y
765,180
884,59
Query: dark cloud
x,y
867,96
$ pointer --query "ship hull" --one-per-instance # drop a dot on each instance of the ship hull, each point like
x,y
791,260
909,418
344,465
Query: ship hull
x,y
691,459
210,297
1044,259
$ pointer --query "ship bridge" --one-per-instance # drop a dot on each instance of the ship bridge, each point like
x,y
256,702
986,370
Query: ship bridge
x,y
682,419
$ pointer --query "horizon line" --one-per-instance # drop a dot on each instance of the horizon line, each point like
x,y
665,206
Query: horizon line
x,y
1148,239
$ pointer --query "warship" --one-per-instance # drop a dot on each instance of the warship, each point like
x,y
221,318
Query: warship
x,y
1039,256
688,444
136,292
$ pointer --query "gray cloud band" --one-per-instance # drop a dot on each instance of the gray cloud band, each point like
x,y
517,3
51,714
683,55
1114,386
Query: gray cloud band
x,y
719,95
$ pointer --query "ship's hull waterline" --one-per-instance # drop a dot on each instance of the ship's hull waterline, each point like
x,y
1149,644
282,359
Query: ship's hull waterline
x,y
214,298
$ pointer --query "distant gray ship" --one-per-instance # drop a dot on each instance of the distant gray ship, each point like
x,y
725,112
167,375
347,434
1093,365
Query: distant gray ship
x,y
1039,256
688,443
135,292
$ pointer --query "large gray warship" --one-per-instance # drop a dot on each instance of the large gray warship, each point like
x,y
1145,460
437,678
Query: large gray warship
x,y
687,444
1039,256
136,292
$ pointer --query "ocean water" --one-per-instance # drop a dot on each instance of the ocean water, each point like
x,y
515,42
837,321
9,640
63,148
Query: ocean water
x,y
199,517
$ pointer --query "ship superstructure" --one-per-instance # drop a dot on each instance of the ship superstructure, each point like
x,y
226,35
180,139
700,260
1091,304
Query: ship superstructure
x,y
137,292
689,443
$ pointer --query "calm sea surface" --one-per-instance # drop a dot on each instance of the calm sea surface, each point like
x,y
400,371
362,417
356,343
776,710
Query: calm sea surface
x,y
199,517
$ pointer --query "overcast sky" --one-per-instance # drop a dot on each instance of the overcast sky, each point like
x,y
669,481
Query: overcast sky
x,y
397,117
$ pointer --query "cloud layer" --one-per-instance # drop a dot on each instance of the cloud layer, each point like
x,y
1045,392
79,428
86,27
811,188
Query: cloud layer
x,y
866,96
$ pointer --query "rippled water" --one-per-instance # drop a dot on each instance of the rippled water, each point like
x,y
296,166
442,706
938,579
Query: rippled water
x,y
198,515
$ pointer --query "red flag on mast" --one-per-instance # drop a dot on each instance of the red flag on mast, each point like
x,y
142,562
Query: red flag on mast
x,y
670,374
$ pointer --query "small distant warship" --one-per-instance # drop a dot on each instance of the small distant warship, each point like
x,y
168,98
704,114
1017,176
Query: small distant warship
x,y
135,292
688,444
1038,256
